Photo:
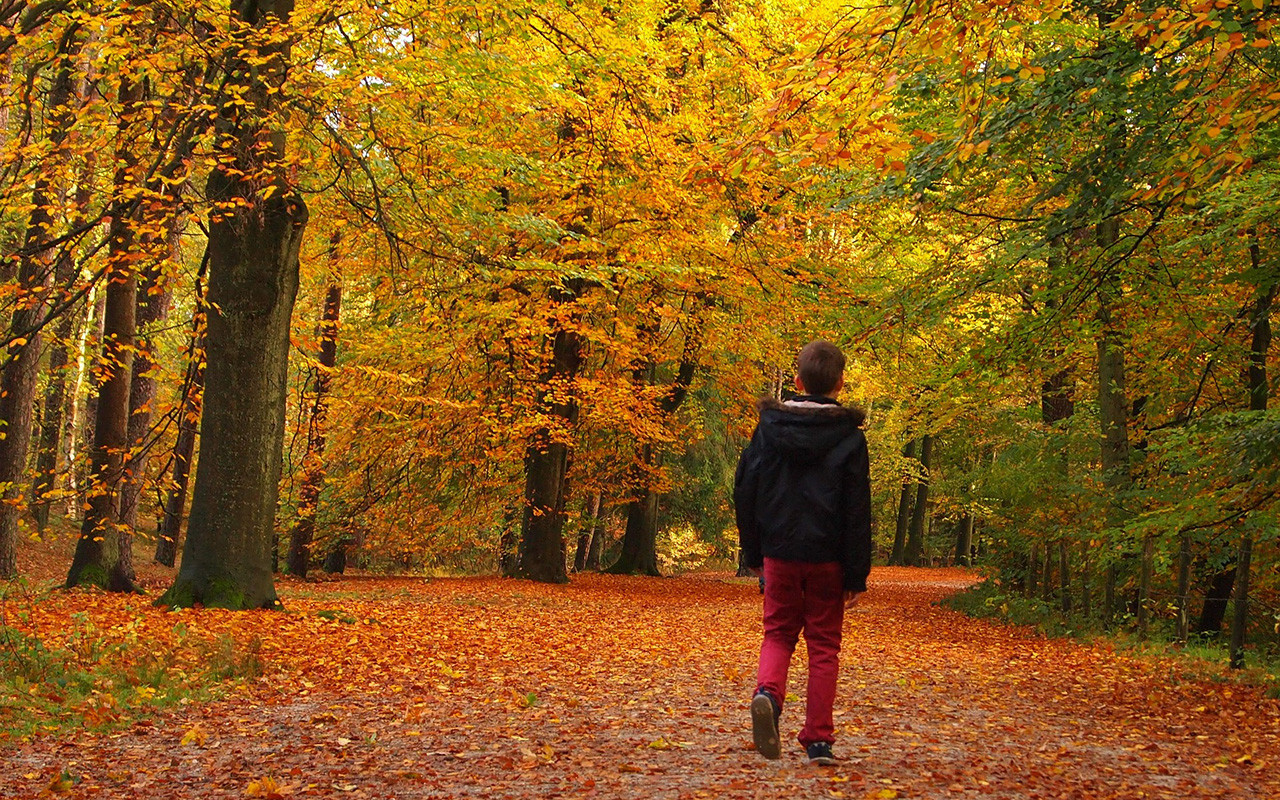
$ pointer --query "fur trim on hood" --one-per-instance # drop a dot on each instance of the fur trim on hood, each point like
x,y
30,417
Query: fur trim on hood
x,y
834,410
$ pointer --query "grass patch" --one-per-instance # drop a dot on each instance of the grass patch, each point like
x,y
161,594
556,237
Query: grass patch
x,y
85,676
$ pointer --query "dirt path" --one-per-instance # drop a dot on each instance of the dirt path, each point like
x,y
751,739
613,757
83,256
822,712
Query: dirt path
x,y
635,688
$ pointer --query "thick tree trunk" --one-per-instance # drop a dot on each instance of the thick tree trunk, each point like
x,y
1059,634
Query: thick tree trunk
x,y
914,551
542,551
639,554
904,508
255,233
313,464
21,367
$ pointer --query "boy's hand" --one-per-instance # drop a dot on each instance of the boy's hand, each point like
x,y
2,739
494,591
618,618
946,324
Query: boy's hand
x,y
851,599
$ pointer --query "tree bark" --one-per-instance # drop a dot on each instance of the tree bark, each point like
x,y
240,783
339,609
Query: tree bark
x,y
1220,585
21,367
1112,406
542,553
184,448
964,541
103,554
591,511
904,508
255,233
1240,620
313,464
914,550
639,554
596,551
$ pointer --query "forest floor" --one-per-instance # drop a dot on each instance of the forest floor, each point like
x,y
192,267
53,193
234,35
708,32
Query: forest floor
x,y
616,687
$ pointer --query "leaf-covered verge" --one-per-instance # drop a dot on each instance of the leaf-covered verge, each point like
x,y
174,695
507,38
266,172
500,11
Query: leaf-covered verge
x,y
1199,658
630,687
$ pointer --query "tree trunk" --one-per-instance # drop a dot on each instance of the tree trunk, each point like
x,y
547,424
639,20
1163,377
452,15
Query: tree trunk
x,y
1184,587
1215,601
596,550
589,525
55,419
1240,620
640,540
542,553
964,541
1064,574
1033,570
904,508
914,550
21,367
1220,586
104,554
1144,584
255,233
175,497
1112,406
313,463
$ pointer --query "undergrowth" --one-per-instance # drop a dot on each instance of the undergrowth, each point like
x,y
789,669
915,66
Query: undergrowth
x,y
98,679
1197,659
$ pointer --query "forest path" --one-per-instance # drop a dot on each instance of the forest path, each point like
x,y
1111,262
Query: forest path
x,y
637,688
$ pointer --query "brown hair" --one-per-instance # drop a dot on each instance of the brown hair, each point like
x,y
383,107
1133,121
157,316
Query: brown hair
x,y
820,366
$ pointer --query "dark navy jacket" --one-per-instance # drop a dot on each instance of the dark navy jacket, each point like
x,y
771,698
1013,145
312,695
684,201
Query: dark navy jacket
x,y
802,491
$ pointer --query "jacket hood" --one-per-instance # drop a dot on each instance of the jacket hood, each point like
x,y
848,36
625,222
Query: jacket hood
x,y
807,431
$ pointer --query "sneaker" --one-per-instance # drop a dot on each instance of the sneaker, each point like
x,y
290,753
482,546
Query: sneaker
x,y
764,725
820,754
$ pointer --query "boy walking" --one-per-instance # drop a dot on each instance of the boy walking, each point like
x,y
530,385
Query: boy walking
x,y
803,499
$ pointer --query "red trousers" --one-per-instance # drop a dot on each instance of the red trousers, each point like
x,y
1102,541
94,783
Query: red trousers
x,y
800,596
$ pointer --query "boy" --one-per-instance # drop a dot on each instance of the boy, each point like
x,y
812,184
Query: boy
x,y
803,499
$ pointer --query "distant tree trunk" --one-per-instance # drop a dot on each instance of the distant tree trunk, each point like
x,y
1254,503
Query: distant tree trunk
x,y
915,534
1046,583
313,464
255,232
104,554
640,540
175,496
1184,587
1240,622
21,367
595,552
592,512
509,541
1064,574
1033,570
904,508
1220,585
546,459
55,418
1112,405
964,541
1144,584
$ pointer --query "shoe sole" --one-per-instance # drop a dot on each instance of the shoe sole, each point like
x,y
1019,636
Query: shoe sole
x,y
823,761
764,728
